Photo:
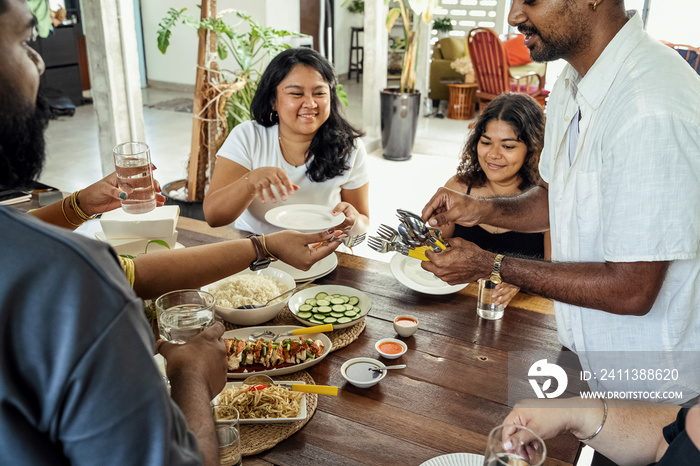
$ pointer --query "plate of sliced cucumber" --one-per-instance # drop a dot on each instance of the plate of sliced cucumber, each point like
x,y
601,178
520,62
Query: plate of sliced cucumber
x,y
339,305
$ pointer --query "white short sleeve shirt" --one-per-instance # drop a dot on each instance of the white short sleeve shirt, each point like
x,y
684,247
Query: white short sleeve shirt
x,y
253,146
632,191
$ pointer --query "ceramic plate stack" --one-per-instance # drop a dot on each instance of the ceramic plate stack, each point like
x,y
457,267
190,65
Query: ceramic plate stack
x,y
318,270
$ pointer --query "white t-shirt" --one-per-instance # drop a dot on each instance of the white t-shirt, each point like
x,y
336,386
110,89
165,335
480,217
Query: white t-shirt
x,y
253,146
631,193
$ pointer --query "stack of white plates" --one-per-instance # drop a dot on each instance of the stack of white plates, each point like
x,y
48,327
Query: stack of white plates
x,y
318,270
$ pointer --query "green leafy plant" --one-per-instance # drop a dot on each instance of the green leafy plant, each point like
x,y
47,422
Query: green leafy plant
x,y
249,50
414,14
356,6
442,24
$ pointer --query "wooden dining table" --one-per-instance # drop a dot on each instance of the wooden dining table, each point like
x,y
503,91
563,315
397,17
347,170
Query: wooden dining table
x,y
453,391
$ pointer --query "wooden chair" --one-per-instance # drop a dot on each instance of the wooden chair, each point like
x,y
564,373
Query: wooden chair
x,y
492,71
690,54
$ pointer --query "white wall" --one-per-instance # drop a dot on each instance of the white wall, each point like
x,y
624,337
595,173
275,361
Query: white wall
x,y
675,21
343,21
177,66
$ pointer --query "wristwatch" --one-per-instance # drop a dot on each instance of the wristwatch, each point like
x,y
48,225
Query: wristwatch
x,y
262,260
496,272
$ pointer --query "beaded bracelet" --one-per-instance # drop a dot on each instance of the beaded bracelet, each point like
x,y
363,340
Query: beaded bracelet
x,y
600,427
75,204
63,209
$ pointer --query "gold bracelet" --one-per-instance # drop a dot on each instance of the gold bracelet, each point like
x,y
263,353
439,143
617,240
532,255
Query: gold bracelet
x,y
75,204
63,209
600,427
269,254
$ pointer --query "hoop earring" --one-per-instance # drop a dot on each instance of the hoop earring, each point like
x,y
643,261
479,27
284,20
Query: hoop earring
x,y
595,4
273,115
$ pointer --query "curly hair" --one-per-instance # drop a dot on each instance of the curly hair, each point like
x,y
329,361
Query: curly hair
x,y
526,118
335,139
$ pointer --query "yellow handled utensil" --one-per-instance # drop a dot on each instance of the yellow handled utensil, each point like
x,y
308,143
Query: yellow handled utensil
x,y
295,387
314,329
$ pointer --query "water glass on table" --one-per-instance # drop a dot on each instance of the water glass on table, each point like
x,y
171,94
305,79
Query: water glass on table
x,y
132,161
514,445
182,314
228,434
486,304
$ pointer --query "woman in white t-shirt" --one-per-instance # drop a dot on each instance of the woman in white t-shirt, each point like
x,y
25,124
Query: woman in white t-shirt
x,y
299,149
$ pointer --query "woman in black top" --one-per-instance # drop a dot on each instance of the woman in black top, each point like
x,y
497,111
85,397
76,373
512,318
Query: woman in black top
x,y
501,158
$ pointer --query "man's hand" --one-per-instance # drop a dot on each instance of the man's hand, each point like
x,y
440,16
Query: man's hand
x,y
462,262
201,358
448,206
293,248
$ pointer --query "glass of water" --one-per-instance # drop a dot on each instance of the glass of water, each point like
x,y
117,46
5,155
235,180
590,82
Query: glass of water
x,y
228,434
182,314
486,304
513,445
132,161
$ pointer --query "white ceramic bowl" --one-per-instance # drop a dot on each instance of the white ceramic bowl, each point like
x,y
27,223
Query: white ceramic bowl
x,y
389,355
300,298
364,382
263,314
406,330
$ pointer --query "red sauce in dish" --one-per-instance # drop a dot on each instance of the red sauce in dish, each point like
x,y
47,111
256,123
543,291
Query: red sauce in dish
x,y
389,347
405,322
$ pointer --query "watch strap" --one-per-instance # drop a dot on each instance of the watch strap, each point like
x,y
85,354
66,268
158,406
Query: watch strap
x,y
496,272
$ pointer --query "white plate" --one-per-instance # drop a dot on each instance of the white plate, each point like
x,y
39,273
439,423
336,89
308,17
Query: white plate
x,y
300,297
304,217
408,271
456,459
318,270
244,333
276,420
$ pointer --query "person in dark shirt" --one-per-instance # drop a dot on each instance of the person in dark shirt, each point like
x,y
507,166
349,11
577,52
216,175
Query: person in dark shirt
x,y
501,158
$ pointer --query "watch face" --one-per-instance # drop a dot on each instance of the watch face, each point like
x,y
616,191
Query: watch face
x,y
260,264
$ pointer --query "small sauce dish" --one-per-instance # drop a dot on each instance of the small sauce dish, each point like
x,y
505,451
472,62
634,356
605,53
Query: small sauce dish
x,y
391,348
358,371
405,325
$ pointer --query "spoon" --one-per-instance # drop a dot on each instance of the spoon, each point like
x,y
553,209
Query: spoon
x,y
295,387
398,366
258,306
406,237
422,232
299,331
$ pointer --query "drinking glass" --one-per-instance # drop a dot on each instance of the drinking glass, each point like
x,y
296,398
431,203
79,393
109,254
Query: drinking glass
x,y
132,161
182,314
514,453
228,435
485,305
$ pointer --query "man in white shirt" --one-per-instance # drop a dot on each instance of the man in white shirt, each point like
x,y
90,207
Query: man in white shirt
x,y
621,194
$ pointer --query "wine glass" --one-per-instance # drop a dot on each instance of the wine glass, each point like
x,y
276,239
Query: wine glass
x,y
513,445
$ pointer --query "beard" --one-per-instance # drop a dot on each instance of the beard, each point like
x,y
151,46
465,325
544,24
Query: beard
x,y
22,144
555,45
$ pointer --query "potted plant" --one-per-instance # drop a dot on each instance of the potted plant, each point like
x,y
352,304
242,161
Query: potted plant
x,y
222,96
442,26
400,107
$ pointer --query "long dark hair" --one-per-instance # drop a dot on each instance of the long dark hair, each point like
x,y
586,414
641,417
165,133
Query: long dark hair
x,y
335,140
526,117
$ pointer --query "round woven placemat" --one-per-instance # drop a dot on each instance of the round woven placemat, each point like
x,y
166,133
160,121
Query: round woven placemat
x,y
256,438
340,338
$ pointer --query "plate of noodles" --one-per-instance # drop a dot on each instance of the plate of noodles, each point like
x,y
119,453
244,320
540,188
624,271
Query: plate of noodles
x,y
262,406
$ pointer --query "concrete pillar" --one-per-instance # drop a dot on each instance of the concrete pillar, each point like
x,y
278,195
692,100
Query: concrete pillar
x,y
374,71
114,74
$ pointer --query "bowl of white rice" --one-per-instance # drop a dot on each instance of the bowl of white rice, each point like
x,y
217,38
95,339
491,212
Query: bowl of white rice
x,y
250,287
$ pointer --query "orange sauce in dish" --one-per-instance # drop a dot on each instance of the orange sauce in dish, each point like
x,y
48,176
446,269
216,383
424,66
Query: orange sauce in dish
x,y
405,322
389,347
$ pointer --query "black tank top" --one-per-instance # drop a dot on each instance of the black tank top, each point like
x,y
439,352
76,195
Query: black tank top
x,y
510,242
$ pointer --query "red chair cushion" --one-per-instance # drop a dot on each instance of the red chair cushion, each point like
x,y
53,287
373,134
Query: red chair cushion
x,y
516,52
530,89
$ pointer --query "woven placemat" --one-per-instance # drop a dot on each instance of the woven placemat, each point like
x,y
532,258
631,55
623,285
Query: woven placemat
x,y
340,338
256,438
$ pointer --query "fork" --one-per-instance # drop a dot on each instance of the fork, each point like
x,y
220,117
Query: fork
x,y
351,241
388,233
383,246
